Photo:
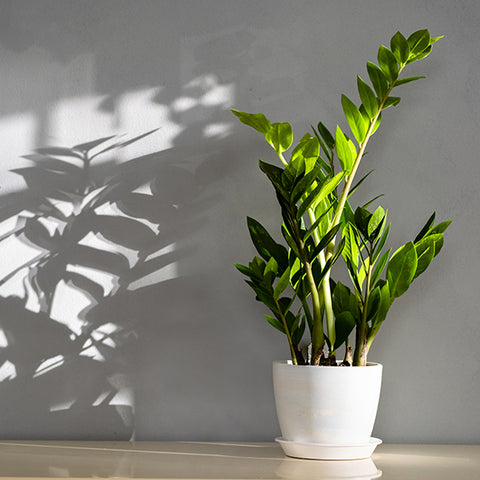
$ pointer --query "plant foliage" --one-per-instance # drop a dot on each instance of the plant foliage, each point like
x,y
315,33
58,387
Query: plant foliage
x,y
293,278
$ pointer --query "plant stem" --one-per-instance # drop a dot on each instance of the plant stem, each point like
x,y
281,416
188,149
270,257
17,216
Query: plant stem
x,y
289,338
325,287
360,355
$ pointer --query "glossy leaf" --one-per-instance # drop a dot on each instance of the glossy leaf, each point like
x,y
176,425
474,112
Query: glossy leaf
x,y
391,102
304,184
344,152
280,136
362,218
326,135
258,121
368,98
380,243
426,251
350,251
274,174
388,63
400,48
402,81
375,221
309,149
292,172
383,307
265,244
344,325
401,269
354,118
319,194
373,303
425,228
282,283
379,267
378,79
418,42
325,241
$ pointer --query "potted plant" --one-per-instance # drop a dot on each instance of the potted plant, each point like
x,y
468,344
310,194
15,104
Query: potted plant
x,y
320,405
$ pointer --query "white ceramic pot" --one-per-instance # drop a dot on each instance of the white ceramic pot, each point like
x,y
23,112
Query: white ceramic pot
x,y
326,405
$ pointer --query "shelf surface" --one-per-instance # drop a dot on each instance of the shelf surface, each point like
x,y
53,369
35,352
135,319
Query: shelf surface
x,y
198,460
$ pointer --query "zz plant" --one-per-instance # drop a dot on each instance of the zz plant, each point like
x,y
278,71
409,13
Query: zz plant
x,y
313,185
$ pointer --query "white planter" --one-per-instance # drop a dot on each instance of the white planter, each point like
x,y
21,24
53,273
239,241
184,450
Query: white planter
x,y
327,405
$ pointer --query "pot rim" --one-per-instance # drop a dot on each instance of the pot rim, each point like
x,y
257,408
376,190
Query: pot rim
x,y
289,363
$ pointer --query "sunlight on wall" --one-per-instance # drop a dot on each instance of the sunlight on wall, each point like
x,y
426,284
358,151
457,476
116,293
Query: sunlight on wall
x,y
7,371
74,117
17,137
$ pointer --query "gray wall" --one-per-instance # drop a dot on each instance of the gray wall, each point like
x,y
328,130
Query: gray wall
x,y
191,354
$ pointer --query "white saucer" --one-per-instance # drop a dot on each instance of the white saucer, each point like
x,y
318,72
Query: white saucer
x,y
320,451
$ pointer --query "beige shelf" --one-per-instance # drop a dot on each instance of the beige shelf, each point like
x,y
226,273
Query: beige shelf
x,y
196,460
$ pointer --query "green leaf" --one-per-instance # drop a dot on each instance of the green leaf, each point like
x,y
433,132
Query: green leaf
x,y
245,270
265,244
258,121
280,136
400,48
343,300
319,194
344,324
271,268
317,222
354,188
440,228
375,221
379,267
380,243
421,55
291,242
299,331
274,174
324,241
368,98
275,323
373,303
326,135
304,184
344,151
308,149
401,269
354,119
282,283
350,251
418,42
402,81
391,102
425,228
426,251
362,218
436,39
388,63
378,79
383,307
293,171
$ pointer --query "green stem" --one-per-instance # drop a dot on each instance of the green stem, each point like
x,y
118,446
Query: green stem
x,y
289,338
360,355
325,287
361,151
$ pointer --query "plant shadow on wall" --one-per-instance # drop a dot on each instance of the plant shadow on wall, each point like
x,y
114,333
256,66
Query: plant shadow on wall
x,y
90,243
